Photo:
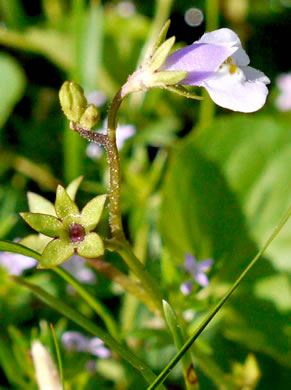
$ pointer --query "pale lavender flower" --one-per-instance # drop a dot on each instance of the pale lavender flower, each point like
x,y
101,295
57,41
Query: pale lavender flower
x,y
123,132
96,97
218,63
94,151
96,347
126,9
15,263
283,101
197,272
78,268
76,341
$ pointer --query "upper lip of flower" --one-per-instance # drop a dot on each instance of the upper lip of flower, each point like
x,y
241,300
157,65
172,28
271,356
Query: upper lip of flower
x,y
218,62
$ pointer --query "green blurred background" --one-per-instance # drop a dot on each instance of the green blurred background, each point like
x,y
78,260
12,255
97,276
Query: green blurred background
x,y
196,178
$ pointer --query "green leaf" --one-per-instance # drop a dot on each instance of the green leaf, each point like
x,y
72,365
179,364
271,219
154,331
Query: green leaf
x,y
253,152
18,248
60,306
12,80
53,44
56,252
200,215
91,247
39,204
59,357
73,187
92,212
277,289
91,47
64,205
45,224
226,188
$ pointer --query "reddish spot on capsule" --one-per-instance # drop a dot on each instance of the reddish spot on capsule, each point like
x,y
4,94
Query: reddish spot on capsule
x,y
76,233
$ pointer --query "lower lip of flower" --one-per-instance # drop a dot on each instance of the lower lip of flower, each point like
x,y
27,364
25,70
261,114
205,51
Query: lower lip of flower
x,y
76,233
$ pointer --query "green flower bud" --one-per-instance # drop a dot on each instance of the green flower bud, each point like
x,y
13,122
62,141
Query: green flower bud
x,y
73,101
90,117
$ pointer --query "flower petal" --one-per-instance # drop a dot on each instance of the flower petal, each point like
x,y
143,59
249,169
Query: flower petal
x,y
222,36
64,204
227,38
73,187
45,224
186,288
75,341
199,60
190,264
205,265
255,75
202,279
92,212
91,247
56,252
96,347
39,204
233,91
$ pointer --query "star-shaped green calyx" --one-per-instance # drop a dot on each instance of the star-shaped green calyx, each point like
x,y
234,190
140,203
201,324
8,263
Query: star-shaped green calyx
x,y
71,230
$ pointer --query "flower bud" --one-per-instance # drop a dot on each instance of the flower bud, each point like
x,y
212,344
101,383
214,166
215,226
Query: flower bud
x,y
73,101
90,117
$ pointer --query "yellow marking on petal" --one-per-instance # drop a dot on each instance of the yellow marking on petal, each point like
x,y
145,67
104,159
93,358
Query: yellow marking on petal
x,y
232,68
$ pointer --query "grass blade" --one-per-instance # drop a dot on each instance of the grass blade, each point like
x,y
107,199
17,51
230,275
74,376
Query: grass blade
x,y
90,327
59,358
167,370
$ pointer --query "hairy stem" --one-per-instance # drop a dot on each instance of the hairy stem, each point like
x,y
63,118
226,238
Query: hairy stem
x,y
114,164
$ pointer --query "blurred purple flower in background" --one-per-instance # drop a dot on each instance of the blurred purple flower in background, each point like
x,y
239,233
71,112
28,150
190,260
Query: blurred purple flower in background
x,y
96,97
78,268
123,132
218,63
197,271
15,263
76,341
283,101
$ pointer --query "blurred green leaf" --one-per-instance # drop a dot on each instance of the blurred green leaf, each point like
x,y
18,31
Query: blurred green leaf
x,y
54,45
225,189
12,80
89,326
200,215
18,248
253,152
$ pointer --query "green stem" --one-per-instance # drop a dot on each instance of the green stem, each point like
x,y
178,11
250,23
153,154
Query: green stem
x,y
125,251
164,374
96,305
130,303
89,326
59,357
114,164
123,280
